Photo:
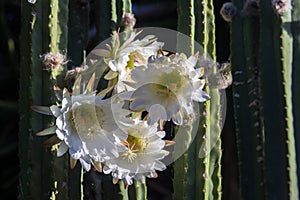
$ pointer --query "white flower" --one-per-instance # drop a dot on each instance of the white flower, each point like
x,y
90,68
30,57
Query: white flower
x,y
142,155
166,88
118,55
87,128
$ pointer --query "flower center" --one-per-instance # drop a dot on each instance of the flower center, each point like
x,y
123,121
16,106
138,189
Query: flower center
x,y
173,81
83,119
135,145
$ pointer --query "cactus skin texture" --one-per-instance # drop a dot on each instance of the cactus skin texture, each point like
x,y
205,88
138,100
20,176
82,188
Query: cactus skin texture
x,y
183,181
246,93
58,33
281,179
286,49
194,177
212,161
36,170
262,61
296,80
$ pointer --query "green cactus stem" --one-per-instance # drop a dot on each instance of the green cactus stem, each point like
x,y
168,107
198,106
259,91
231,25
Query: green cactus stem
x,y
208,168
183,173
58,19
247,105
140,189
34,158
276,100
295,78
286,63
213,187
25,102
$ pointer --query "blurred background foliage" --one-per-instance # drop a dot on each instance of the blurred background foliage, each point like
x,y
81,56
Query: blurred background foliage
x,y
156,13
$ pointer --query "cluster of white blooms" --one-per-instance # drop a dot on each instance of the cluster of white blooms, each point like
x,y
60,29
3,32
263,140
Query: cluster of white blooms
x,y
106,130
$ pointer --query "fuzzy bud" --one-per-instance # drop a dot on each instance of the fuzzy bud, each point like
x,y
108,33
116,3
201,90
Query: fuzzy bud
x,y
281,6
53,61
128,20
228,11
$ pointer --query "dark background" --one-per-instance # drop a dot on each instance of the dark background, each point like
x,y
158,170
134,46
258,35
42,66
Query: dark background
x,y
148,13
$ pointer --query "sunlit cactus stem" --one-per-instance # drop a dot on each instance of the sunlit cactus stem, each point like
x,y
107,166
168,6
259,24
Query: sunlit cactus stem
x,y
295,80
58,32
286,48
212,161
182,185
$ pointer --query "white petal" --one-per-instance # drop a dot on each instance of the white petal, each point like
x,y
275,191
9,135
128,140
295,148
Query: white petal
x,y
200,96
62,149
112,65
60,134
59,122
156,112
177,118
85,165
55,111
125,95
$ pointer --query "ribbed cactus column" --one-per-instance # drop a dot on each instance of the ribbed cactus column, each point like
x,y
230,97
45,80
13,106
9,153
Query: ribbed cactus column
x,y
212,161
275,69
286,55
36,178
58,32
196,177
184,173
296,80
247,104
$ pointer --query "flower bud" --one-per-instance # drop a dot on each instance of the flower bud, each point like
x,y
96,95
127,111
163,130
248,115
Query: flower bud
x,y
281,6
128,20
228,11
53,61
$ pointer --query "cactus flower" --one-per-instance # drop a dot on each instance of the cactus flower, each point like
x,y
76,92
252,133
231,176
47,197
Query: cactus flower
x,y
87,129
144,150
166,88
118,55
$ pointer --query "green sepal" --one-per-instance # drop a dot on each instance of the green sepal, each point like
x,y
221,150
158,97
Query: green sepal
x,y
42,109
47,131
